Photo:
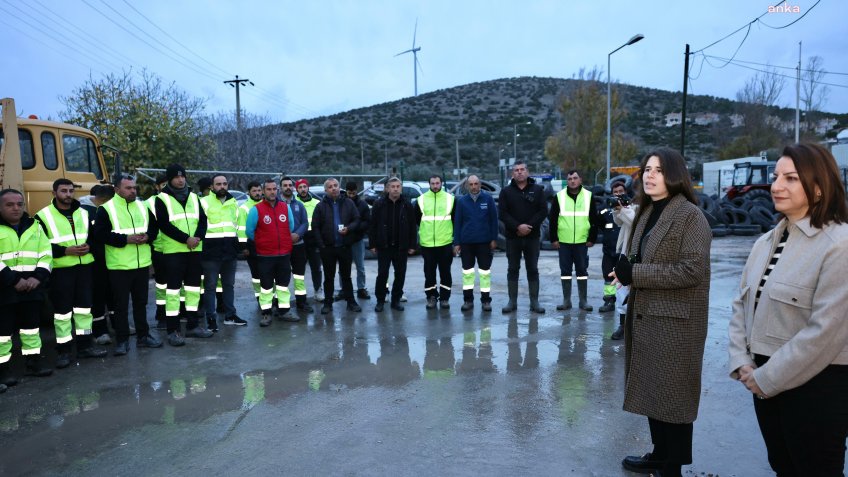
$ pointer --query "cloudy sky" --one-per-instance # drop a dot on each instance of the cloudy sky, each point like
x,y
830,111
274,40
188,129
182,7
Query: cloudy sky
x,y
312,58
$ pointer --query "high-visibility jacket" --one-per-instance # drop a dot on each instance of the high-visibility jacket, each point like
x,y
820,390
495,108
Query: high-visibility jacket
x,y
573,223
151,204
127,219
436,228
310,208
23,256
62,233
221,218
186,219
244,210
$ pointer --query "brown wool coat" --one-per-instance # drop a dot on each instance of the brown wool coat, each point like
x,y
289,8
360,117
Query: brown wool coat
x,y
666,324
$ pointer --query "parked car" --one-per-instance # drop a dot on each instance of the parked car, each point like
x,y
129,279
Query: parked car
x,y
239,196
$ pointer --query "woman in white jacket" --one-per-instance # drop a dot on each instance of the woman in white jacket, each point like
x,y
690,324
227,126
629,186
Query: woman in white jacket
x,y
623,216
789,332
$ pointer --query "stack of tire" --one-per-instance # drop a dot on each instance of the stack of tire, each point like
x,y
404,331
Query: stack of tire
x,y
749,214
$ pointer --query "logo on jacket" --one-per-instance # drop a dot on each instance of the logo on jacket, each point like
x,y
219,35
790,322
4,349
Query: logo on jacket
x,y
282,217
267,219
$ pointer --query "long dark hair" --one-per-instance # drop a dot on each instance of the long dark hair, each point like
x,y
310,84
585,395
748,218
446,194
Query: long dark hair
x,y
817,168
675,174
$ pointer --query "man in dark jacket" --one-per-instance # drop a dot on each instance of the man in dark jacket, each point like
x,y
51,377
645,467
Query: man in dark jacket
x,y
24,269
220,252
523,208
298,225
391,236
332,222
475,233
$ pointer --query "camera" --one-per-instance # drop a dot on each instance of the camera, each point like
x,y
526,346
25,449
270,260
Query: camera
x,y
618,200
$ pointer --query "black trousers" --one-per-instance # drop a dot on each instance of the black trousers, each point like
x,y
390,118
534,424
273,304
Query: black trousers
x,y
126,284
481,254
313,257
183,270
441,258
23,315
515,248
160,277
71,287
298,267
672,444
805,428
390,257
101,298
330,256
274,272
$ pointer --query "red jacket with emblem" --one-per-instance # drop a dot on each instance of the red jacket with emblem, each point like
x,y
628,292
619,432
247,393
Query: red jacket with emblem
x,y
273,234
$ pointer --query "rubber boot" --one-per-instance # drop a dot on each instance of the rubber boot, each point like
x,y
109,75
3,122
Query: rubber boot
x,y
6,377
609,304
619,333
566,295
582,286
512,304
35,366
534,298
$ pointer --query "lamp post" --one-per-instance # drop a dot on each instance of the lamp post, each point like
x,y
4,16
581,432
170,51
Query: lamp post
x,y
515,139
631,41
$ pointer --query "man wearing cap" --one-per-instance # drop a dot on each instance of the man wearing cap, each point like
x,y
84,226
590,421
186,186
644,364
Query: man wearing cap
x,y
182,223
298,224
66,225
267,225
25,263
254,196
313,256
220,251
333,220
126,227
435,234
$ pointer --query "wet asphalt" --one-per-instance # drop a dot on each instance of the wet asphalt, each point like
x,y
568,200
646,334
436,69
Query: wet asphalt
x,y
396,393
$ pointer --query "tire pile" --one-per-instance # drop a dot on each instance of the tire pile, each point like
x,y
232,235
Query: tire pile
x,y
750,214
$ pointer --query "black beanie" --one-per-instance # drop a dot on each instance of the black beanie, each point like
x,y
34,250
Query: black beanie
x,y
174,170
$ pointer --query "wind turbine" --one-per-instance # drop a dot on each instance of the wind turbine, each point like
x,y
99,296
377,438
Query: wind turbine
x,y
414,50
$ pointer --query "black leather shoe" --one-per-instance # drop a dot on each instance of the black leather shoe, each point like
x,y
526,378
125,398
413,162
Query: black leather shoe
x,y
33,367
362,294
379,306
148,341
354,306
642,465
397,307
326,309
6,377
63,360
92,352
121,348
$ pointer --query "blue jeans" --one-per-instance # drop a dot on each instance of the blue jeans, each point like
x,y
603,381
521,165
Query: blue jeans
x,y
211,270
357,252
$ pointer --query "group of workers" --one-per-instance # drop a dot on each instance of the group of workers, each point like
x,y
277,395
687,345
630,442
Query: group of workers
x,y
91,260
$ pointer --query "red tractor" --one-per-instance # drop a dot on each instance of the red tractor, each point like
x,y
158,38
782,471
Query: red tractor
x,y
749,177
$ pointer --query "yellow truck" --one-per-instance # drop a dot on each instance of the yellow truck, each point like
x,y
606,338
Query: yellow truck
x,y
34,153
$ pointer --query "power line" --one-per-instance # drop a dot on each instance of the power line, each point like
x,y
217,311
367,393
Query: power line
x,y
785,76
793,68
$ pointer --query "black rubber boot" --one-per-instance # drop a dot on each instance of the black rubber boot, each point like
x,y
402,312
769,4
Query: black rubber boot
x,y
566,295
582,287
535,307
619,333
609,304
512,304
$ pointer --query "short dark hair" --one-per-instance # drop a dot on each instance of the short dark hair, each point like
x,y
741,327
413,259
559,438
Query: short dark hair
x,y
60,182
213,176
4,192
618,184
573,171
817,168
269,181
252,184
435,176
352,185
286,178
103,192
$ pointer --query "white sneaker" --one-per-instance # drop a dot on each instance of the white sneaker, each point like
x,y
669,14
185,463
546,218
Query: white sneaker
x,y
403,297
319,296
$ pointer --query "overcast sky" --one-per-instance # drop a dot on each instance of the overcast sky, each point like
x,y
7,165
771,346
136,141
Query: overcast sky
x,y
312,58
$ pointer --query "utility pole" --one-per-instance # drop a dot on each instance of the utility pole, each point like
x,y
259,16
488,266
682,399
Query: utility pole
x,y
236,83
361,158
683,111
798,98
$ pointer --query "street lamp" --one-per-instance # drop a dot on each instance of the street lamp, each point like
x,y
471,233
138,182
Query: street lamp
x,y
631,41
515,139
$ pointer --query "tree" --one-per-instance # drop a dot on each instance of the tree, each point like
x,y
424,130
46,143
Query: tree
x,y
580,143
757,98
814,93
151,123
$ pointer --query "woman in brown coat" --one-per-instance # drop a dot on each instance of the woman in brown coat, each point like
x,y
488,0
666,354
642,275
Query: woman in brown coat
x,y
668,271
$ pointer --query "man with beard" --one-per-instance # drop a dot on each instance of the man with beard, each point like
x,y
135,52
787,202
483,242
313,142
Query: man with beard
x,y
220,251
254,196
298,224
435,234
313,257
66,225
182,223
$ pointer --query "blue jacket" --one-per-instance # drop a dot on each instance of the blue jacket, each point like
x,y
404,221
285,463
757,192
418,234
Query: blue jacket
x,y
298,221
475,222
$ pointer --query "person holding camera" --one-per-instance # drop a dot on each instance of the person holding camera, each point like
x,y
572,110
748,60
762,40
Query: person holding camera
x,y
623,213
611,231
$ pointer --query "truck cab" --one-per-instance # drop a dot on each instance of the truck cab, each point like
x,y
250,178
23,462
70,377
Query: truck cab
x,y
34,153
749,176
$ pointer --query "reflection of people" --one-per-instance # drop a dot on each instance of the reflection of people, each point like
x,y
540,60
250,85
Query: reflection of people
x,y
573,229
666,327
788,334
